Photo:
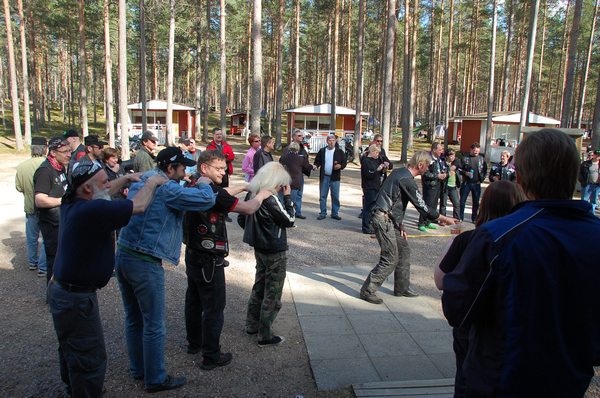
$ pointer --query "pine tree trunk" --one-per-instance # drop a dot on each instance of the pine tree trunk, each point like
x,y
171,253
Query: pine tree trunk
x,y
572,55
334,64
82,70
143,65
279,92
257,66
25,74
535,6
170,75
205,101
359,75
14,94
297,57
388,71
447,74
108,94
490,105
123,116
223,92
586,70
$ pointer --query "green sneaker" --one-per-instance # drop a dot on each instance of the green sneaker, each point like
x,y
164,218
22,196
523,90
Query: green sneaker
x,y
431,226
422,228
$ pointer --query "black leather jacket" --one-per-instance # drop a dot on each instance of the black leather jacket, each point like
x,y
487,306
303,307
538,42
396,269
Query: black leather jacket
x,y
396,191
430,178
265,230
469,163
505,172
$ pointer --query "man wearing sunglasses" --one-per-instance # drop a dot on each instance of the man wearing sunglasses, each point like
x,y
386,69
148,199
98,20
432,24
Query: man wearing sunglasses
x,y
49,185
84,263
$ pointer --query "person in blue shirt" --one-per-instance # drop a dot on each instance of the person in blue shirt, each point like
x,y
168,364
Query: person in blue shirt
x,y
527,283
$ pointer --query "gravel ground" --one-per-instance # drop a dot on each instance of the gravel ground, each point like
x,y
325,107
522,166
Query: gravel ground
x,y
29,360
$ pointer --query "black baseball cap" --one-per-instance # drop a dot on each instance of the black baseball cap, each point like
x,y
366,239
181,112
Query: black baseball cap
x,y
70,133
173,154
93,140
38,141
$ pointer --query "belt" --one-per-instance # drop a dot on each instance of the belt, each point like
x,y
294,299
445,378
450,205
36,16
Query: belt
x,y
385,213
73,288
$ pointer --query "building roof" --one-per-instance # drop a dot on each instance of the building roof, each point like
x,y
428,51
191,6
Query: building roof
x,y
158,105
510,117
325,109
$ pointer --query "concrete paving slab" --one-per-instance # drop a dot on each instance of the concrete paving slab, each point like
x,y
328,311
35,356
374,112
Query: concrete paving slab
x,y
318,308
406,367
382,323
444,363
389,344
335,373
434,342
333,346
325,324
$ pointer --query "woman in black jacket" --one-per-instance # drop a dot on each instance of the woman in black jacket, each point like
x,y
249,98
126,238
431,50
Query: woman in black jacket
x,y
265,230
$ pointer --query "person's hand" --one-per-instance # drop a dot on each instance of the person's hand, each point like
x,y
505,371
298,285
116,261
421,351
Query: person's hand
x,y
203,180
381,167
443,220
469,174
262,195
442,176
315,167
403,234
134,177
287,189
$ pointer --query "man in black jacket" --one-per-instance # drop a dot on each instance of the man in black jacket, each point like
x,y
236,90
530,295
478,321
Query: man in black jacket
x,y
589,179
432,182
330,160
263,154
207,245
387,216
472,170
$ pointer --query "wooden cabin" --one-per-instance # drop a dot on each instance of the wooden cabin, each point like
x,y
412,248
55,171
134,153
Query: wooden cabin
x,y
316,121
183,119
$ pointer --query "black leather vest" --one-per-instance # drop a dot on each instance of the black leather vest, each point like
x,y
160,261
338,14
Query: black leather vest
x,y
206,231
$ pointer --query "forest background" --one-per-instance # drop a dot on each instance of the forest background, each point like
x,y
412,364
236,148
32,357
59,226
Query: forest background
x,y
78,63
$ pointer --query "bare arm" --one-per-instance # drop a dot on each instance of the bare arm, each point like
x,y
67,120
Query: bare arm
x,y
43,201
237,189
250,206
142,198
438,277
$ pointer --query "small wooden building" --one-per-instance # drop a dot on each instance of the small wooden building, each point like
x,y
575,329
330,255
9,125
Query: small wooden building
x,y
505,127
183,119
316,121
237,123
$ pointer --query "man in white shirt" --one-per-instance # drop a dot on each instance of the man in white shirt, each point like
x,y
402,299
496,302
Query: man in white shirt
x,y
330,160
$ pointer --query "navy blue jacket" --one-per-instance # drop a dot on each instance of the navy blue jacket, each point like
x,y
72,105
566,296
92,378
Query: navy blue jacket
x,y
527,285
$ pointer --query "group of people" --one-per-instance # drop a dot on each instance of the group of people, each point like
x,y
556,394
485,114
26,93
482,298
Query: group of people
x,y
154,215
518,289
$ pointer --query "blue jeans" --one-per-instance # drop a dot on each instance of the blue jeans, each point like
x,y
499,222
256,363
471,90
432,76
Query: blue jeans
x,y
32,234
298,198
589,193
475,190
142,285
324,187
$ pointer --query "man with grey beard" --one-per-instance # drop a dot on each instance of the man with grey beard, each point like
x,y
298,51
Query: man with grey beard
x,y
84,263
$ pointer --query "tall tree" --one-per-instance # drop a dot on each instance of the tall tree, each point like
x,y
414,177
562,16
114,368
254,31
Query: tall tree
x,y
359,74
83,70
108,89
123,116
596,122
334,64
25,74
388,71
586,69
571,63
490,101
223,93
170,74
14,93
206,74
535,6
507,54
143,65
257,66
297,56
447,74
279,92
198,98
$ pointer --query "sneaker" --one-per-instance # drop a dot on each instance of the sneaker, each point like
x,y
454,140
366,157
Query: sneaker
x,y
422,228
336,217
431,226
300,216
170,383
193,350
250,332
275,340
407,293
370,297
32,267
320,217
224,360
41,273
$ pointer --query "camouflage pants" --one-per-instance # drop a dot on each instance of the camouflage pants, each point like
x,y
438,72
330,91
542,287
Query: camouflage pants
x,y
265,299
394,257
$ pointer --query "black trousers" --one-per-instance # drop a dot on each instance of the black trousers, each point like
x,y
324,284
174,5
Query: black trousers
x,y
204,302
50,235
431,196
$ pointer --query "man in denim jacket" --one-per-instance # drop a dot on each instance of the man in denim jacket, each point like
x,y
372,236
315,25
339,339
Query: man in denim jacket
x,y
148,239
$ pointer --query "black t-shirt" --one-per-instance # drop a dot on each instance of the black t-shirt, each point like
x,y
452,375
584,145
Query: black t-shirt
x,y
86,254
206,231
456,250
53,183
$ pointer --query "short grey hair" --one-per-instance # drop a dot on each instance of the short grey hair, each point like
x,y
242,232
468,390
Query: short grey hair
x,y
420,157
294,147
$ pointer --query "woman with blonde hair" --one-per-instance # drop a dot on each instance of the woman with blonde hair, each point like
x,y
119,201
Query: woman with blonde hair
x,y
265,230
